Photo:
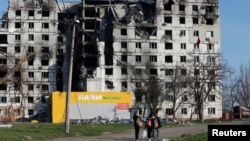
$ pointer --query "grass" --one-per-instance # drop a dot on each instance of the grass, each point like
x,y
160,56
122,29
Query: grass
x,y
40,131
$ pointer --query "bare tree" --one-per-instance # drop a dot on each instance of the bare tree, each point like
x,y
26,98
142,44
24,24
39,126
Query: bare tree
x,y
243,87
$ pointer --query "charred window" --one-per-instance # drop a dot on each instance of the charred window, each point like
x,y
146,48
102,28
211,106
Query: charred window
x,y
45,13
168,20
183,45
59,39
30,49
18,13
183,58
168,46
45,74
137,45
168,6
17,49
124,84
108,71
182,20
169,72
45,49
138,71
168,33
209,21
30,87
45,37
17,25
195,20
183,72
31,13
124,71
137,58
45,62
153,71
123,31
152,58
124,58
31,25
169,111
45,25
123,44
45,87
195,8
209,8
109,84
169,59
31,74
31,37
182,8
3,61
3,39
153,45
30,99
30,62
17,38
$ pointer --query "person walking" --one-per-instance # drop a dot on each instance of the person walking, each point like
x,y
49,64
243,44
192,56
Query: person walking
x,y
137,124
149,125
158,125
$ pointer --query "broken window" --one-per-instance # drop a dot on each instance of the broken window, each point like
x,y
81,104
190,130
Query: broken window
x,y
31,25
137,45
44,62
209,21
18,37
3,49
17,49
45,37
123,44
109,84
209,34
211,59
168,33
153,45
183,45
196,46
169,46
168,6
59,39
196,59
30,62
17,74
45,25
45,87
195,8
30,99
30,49
90,12
181,7
210,47
196,33
45,13
30,87
45,49
3,99
195,21
183,33
137,58
138,84
169,72
31,37
168,20
124,71
183,72
31,13
184,98
3,87
17,99
184,111
211,111
30,112
108,71
182,20
3,61
211,72
17,25
153,58
124,58
31,74
3,39
45,75
209,8
211,85
169,111
153,71
183,58
168,59
124,84
18,13
123,31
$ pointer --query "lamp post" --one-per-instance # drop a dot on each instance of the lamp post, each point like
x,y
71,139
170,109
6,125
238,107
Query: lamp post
x,y
70,78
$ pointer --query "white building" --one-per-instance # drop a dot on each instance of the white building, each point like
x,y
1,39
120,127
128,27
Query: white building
x,y
114,40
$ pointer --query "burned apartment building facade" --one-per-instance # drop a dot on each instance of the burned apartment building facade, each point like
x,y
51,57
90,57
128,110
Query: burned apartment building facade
x,y
118,45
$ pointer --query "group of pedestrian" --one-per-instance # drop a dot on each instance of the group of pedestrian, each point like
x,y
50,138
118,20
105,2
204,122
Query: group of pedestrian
x,y
151,125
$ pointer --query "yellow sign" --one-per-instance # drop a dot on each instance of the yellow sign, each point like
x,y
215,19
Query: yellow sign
x,y
100,97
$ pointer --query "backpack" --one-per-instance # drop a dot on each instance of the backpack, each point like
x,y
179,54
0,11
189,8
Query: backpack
x,y
148,123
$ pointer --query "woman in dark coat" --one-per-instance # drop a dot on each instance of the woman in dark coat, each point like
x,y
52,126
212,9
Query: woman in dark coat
x,y
136,126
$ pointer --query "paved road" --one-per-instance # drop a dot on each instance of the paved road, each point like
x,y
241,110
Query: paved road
x,y
165,133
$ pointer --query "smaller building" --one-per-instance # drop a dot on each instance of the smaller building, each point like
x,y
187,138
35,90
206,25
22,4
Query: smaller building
x,y
89,105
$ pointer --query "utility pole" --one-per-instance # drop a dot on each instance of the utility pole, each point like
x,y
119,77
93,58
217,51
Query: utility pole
x,y
70,78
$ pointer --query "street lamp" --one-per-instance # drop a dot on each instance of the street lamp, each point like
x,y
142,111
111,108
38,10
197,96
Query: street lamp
x,y
70,77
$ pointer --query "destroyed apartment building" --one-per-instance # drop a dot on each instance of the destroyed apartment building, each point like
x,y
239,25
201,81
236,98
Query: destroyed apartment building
x,y
117,45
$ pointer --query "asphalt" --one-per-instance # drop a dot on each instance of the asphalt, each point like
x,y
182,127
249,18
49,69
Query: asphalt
x,y
165,133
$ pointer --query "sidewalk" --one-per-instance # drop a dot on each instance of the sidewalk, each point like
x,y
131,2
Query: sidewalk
x,y
165,133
